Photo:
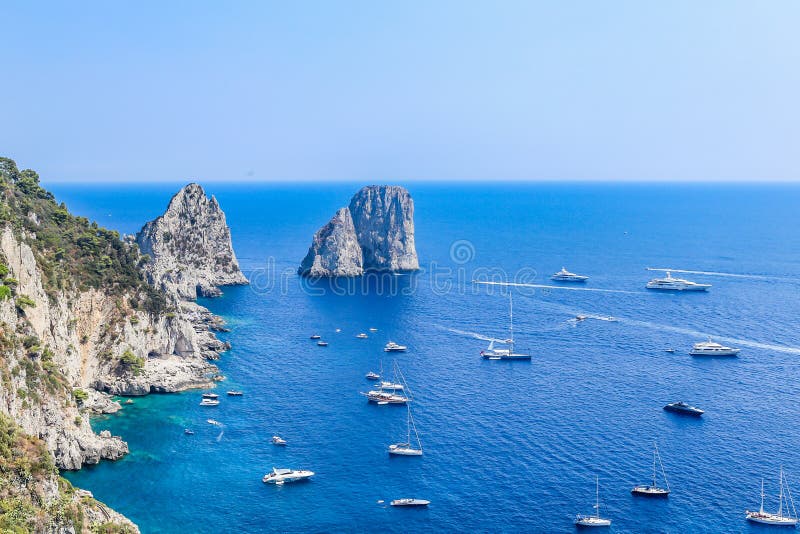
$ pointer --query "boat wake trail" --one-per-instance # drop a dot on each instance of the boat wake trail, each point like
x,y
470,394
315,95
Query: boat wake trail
x,y
219,438
729,275
566,288
473,335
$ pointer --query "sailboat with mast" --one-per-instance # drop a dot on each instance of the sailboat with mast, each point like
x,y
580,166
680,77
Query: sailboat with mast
x,y
407,448
492,353
383,396
784,499
653,490
593,520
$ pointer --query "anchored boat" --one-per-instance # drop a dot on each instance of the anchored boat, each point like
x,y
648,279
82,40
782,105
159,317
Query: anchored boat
x,y
683,408
407,449
669,283
492,353
410,502
394,347
711,348
281,476
593,520
653,490
565,276
778,518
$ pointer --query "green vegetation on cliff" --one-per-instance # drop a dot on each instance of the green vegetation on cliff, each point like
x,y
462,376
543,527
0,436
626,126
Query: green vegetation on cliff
x,y
72,252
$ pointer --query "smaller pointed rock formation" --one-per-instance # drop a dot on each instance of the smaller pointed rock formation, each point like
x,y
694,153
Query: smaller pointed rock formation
x,y
190,247
375,233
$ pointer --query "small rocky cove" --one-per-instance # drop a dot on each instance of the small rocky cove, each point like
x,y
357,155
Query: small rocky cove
x,y
86,314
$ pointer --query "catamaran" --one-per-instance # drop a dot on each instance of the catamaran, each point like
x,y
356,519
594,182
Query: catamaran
x,y
784,498
407,449
593,520
653,490
491,353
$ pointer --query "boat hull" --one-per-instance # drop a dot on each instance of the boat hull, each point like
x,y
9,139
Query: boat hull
x,y
506,356
592,522
770,519
398,450
721,353
410,502
685,288
575,279
649,491
683,411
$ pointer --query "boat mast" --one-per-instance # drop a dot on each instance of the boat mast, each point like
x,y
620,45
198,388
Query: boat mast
x,y
408,426
780,496
655,451
511,315
762,496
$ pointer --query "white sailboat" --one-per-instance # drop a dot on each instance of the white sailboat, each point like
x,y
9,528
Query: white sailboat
x,y
383,396
778,519
492,353
593,520
407,448
653,490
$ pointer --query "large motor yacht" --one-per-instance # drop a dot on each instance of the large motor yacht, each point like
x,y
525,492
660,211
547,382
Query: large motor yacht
x,y
710,348
281,476
669,283
565,276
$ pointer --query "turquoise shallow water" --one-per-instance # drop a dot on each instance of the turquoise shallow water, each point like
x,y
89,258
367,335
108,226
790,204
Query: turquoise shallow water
x,y
508,446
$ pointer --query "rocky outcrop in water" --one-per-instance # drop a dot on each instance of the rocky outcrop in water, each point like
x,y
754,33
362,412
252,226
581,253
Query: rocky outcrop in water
x,y
190,247
374,233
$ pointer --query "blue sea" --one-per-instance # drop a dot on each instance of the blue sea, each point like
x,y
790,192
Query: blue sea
x,y
509,446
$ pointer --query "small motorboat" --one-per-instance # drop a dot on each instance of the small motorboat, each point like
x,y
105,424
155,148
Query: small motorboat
x,y
373,329
188,432
322,343
338,330
315,336
362,335
213,422
233,393
129,401
670,350
580,317
391,386
410,502
683,408
394,347
209,402
281,476
210,396
277,440
373,376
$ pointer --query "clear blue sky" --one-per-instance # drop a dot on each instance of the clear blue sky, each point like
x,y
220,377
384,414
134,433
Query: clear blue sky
x,y
402,90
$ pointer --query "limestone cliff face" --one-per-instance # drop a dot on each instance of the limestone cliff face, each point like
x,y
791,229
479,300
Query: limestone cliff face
x,y
190,247
375,233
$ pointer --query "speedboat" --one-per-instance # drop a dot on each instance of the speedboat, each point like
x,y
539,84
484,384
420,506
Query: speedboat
x,y
675,284
565,276
373,329
188,432
210,396
235,393
277,440
580,317
315,336
373,376
670,350
362,335
391,386
281,476
683,408
209,402
710,348
213,422
322,343
410,502
778,518
394,347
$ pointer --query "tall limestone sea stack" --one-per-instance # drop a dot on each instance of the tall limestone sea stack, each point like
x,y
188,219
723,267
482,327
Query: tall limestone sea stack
x,y
190,247
374,233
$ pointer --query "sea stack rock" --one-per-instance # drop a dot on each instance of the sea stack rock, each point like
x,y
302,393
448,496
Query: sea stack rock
x,y
375,233
190,247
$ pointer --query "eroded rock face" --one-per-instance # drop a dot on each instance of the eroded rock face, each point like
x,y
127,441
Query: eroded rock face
x,y
375,233
190,247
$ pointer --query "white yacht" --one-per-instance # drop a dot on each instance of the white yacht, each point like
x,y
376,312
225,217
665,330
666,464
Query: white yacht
x,y
565,276
277,440
492,353
384,397
710,348
281,476
410,502
395,394
209,402
362,335
394,347
407,448
211,396
778,518
675,284
390,386
593,520
653,490
372,375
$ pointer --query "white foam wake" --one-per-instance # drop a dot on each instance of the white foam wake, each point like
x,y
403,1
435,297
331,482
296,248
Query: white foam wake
x,y
729,275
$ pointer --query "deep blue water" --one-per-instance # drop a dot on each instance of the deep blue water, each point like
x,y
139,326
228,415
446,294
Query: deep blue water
x,y
509,446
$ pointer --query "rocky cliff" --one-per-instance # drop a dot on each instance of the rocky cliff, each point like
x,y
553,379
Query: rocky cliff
x,y
79,320
374,233
190,247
